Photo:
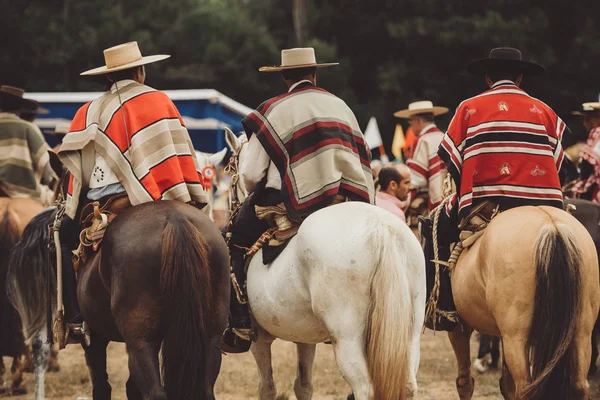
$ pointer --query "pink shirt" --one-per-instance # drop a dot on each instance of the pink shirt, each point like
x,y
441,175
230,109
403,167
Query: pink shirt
x,y
390,203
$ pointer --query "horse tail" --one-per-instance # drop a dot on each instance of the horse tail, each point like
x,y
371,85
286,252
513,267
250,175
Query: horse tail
x,y
9,236
31,279
390,320
556,308
185,284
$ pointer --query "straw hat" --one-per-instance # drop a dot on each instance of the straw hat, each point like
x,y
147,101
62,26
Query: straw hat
x,y
297,58
122,57
504,59
421,107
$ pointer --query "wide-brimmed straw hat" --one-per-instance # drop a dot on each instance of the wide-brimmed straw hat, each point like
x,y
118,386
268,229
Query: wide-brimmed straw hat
x,y
122,57
297,58
504,59
421,107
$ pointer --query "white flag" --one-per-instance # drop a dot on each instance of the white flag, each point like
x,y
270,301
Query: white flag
x,y
372,134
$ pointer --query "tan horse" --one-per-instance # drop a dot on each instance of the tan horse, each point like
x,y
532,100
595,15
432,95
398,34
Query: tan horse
x,y
532,278
14,215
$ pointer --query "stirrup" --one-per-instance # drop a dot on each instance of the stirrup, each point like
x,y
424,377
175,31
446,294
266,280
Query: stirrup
x,y
244,333
78,333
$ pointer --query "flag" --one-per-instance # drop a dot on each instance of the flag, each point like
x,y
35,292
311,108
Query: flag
x,y
372,134
399,142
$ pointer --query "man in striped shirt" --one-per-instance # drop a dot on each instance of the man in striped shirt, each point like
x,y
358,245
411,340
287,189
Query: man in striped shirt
x,y
502,146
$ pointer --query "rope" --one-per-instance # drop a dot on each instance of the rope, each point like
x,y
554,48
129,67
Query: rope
x,y
431,312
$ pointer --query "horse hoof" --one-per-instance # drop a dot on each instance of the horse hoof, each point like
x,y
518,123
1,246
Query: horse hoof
x,y
19,391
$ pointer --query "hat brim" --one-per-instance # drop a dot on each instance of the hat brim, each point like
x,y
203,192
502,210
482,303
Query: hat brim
x,y
485,65
142,61
406,114
33,107
288,67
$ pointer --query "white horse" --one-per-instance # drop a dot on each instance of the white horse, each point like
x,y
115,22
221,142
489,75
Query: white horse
x,y
355,275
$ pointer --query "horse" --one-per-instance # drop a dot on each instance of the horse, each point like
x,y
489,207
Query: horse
x,y
588,213
532,279
159,283
353,275
15,213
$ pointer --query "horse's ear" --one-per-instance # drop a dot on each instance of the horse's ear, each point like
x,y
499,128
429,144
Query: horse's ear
x,y
217,158
55,163
232,140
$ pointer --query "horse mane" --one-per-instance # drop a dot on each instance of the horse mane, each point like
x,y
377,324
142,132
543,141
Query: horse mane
x,y
31,279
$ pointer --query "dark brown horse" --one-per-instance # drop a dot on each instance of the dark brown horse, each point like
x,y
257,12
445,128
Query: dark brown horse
x,y
161,278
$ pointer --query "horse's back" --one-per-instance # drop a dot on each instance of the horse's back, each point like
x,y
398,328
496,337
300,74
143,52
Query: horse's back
x,y
326,269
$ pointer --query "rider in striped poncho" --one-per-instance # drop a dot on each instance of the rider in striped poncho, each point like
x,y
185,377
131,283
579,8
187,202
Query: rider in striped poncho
x,y
502,146
129,141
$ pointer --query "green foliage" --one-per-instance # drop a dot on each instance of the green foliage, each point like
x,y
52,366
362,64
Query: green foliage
x,y
390,52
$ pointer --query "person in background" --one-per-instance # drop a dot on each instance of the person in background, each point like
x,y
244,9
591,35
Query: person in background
x,y
395,182
31,109
428,170
589,186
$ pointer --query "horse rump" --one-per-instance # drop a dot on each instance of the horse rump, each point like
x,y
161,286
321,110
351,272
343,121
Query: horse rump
x,y
31,279
185,284
11,338
556,308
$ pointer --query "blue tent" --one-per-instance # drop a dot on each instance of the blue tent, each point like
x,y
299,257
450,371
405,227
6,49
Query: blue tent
x,y
205,111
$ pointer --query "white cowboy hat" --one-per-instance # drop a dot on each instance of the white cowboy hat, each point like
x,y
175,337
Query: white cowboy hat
x,y
122,57
421,107
297,58
588,107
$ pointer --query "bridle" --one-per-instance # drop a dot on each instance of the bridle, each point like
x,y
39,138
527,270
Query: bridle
x,y
232,169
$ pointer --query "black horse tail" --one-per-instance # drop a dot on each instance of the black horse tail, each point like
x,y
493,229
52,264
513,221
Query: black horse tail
x,y
185,284
31,274
556,308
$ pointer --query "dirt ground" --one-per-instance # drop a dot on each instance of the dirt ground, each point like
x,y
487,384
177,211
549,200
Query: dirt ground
x,y
238,378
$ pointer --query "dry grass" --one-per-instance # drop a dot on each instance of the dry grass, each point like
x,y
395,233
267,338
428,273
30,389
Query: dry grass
x,y
238,378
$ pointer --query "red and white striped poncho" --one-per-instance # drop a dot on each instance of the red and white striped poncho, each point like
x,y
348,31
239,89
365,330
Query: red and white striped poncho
x,y
151,152
427,168
504,145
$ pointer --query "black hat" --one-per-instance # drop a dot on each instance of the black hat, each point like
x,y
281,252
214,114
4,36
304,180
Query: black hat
x,y
504,59
11,98
33,107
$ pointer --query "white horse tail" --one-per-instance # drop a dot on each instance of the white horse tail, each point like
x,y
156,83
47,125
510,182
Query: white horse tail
x,y
390,318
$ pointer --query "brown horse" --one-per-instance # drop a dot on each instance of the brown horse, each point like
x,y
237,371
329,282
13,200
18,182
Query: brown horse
x,y
14,215
532,278
161,278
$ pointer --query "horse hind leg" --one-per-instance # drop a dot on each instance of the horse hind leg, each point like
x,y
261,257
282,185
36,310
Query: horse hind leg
x,y
507,383
460,338
303,387
515,360
40,352
95,357
3,388
144,369
18,383
261,350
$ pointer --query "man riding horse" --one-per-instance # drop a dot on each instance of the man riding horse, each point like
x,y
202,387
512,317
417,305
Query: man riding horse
x,y
131,143
305,152
502,147
25,169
